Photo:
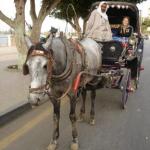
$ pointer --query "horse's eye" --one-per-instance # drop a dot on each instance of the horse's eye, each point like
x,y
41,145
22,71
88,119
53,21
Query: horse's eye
x,y
45,67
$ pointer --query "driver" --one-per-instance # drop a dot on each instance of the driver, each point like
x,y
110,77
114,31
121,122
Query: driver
x,y
98,27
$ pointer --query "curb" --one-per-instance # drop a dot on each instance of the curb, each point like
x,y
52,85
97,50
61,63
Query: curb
x,y
14,114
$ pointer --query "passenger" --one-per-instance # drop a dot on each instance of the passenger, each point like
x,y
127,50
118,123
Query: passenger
x,y
98,27
125,29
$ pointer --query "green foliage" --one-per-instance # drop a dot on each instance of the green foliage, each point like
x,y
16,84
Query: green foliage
x,y
81,9
145,24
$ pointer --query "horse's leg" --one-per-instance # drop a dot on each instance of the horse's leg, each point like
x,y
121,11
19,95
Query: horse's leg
x,y
82,110
56,117
74,145
92,113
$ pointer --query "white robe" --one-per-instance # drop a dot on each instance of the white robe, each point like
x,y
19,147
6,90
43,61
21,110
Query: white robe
x,y
98,28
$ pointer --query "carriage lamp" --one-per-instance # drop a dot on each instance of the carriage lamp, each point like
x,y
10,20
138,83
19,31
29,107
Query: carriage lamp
x,y
118,6
131,41
140,50
112,6
112,49
123,7
127,7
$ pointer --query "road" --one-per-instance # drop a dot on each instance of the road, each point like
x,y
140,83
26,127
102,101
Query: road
x,y
115,129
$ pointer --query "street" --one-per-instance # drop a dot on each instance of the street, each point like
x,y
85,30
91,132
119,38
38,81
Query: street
x,y
115,129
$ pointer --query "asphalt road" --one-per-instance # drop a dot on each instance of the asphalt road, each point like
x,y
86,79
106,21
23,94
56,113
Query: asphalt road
x,y
115,129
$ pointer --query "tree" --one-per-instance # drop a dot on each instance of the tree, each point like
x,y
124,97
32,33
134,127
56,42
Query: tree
x,y
18,23
46,7
81,8
145,24
72,11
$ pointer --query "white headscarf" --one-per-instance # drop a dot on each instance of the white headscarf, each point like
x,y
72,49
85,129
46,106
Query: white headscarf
x,y
103,14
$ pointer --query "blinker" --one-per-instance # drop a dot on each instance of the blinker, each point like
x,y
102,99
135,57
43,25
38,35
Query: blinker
x,y
25,69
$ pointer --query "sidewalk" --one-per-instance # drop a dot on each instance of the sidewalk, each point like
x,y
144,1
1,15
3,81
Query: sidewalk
x,y
13,85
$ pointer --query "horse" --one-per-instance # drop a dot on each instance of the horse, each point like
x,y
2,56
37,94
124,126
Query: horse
x,y
57,69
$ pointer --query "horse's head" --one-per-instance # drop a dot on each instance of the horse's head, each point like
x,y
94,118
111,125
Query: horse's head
x,y
38,65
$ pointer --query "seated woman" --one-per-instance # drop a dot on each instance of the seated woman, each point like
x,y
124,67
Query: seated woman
x,y
125,30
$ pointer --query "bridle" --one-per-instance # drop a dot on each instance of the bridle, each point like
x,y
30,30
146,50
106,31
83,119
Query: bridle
x,y
43,89
51,78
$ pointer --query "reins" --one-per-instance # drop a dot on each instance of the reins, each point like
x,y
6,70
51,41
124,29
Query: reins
x,y
48,55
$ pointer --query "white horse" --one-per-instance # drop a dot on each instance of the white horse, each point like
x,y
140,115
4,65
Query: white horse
x,y
57,69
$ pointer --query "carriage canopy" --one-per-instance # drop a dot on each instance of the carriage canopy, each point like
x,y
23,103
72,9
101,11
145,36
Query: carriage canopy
x,y
118,10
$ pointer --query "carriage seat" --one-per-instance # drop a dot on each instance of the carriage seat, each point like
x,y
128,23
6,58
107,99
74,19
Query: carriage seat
x,y
111,52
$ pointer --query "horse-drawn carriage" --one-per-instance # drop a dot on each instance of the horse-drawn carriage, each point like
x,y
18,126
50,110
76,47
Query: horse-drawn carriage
x,y
60,67
122,57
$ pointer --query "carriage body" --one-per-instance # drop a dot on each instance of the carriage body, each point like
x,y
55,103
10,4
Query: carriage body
x,y
133,45
122,57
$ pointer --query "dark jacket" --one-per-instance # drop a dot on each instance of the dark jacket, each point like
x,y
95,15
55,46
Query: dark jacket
x,y
125,32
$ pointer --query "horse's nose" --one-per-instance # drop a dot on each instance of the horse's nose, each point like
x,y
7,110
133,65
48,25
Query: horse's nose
x,y
34,99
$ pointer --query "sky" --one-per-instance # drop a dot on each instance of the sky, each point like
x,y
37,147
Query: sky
x,y
8,8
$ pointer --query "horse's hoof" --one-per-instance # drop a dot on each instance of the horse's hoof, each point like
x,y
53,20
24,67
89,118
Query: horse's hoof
x,y
81,118
92,122
74,146
52,146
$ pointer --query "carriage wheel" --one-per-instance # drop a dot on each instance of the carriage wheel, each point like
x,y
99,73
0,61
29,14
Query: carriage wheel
x,y
125,84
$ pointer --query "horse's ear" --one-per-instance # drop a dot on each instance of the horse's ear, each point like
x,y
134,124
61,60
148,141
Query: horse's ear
x,y
48,42
28,41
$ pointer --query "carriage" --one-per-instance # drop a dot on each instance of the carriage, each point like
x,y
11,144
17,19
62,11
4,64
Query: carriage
x,y
122,57
58,73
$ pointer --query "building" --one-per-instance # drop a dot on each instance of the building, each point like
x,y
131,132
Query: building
x,y
6,40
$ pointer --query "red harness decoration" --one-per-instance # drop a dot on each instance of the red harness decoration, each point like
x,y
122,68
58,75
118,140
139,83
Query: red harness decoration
x,y
80,49
77,82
